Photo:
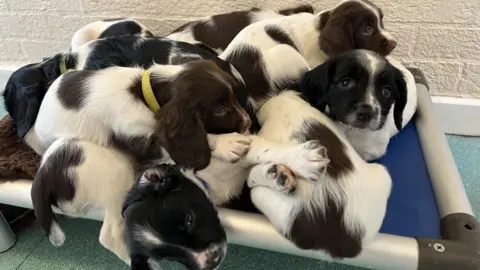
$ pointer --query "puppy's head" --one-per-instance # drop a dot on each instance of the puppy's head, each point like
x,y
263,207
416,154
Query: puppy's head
x,y
357,88
354,24
169,217
25,90
202,100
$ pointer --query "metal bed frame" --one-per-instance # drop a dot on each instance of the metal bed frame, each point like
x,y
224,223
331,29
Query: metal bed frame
x,y
458,248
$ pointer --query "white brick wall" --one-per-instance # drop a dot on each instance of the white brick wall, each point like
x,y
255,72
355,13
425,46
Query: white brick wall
x,y
440,36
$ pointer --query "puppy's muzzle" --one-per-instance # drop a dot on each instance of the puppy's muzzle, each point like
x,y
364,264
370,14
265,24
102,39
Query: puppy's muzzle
x,y
245,121
365,113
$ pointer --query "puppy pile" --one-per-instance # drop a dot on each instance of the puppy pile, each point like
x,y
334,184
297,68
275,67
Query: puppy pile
x,y
160,131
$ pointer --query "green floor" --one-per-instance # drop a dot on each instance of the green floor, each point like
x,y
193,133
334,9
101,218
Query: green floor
x,y
82,250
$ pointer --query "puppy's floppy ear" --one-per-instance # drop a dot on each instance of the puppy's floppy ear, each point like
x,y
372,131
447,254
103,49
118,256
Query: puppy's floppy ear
x,y
51,68
401,99
336,33
182,133
315,84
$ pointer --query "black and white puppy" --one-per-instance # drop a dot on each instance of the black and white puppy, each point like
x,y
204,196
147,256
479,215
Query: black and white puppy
x,y
218,31
27,86
108,28
369,96
338,214
109,107
165,215
272,55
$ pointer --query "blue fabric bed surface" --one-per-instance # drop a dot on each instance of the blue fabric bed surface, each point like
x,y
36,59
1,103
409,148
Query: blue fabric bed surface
x,y
412,209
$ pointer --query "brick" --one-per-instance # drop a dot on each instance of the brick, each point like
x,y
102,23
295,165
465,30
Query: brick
x,y
441,11
24,26
161,27
62,28
36,50
102,7
4,6
404,35
442,77
470,81
11,51
45,5
450,43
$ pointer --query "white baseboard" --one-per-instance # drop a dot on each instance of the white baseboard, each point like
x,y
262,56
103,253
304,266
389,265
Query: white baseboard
x,y
459,116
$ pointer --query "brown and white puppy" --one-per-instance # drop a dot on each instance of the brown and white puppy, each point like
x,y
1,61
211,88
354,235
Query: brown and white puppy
x,y
218,31
273,54
343,211
107,107
108,28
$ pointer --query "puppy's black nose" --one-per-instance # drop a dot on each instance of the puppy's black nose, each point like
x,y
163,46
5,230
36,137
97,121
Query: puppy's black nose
x,y
364,113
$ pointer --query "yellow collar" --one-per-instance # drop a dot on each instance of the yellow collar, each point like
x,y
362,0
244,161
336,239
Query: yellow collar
x,y
148,92
63,64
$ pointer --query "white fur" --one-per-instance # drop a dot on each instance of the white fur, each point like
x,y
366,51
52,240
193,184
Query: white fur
x,y
363,192
93,31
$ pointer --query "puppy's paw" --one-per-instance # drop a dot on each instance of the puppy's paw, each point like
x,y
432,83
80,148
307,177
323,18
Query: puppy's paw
x,y
275,176
283,179
310,160
231,147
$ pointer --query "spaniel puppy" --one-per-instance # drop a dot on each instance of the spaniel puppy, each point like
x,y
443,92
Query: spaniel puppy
x,y
142,112
273,54
338,214
108,28
370,97
166,214
27,86
217,31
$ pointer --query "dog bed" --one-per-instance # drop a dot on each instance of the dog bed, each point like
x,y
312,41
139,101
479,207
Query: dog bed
x,y
429,222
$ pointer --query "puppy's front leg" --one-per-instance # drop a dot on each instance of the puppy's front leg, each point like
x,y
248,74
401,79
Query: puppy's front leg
x,y
230,147
308,159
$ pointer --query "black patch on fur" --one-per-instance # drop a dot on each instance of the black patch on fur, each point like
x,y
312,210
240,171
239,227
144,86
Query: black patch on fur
x,y
249,63
340,162
54,181
305,8
72,89
280,36
206,48
220,30
162,205
26,88
122,28
325,231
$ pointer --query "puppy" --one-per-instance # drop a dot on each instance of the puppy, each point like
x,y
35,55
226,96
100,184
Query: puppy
x,y
108,28
166,214
217,31
369,97
338,214
273,54
143,112
27,86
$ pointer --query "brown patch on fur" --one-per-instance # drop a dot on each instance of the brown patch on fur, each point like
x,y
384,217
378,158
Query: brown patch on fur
x,y
249,63
143,148
220,30
72,89
17,160
54,181
325,230
181,59
340,162
342,29
304,8
280,36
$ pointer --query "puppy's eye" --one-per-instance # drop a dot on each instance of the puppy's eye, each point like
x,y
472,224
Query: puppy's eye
x,y
346,83
221,111
368,29
189,221
386,91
